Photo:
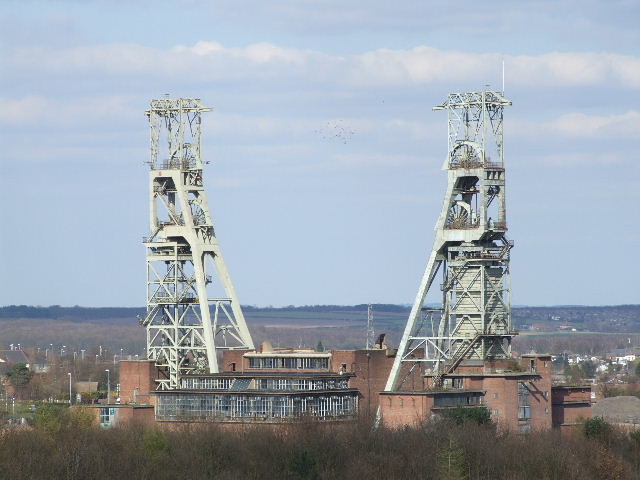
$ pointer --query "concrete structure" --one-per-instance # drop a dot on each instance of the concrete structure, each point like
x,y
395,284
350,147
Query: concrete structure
x,y
187,320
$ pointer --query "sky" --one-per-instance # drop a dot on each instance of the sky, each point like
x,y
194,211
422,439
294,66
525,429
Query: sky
x,y
325,177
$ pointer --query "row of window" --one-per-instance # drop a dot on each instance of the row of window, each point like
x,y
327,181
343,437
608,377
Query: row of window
x,y
191,383
306,363
301,384
455,400
238,407
286,384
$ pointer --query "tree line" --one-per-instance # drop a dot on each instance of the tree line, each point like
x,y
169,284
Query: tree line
x,y
65,444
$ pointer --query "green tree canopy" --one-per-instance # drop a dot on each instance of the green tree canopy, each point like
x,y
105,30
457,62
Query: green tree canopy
x,y
19,375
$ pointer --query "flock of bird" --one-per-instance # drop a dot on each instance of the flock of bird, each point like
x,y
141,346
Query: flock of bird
x,y
336,130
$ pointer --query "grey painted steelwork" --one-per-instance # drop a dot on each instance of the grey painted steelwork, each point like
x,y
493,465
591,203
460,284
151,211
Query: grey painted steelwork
x,y
470,249
186,325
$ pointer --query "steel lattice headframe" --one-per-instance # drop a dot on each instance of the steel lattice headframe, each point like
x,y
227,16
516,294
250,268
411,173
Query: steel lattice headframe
x,y
470,249
186,325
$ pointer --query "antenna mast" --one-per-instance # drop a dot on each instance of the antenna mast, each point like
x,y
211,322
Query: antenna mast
x,y
370,332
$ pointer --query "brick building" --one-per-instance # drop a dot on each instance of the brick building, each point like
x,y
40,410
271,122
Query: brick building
x,y
518,393
275,385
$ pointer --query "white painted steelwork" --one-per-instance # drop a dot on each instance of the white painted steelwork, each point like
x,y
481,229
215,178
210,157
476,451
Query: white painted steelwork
x,y
470,249
186,324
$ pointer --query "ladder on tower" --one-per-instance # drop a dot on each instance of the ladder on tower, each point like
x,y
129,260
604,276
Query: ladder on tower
x,y
455,361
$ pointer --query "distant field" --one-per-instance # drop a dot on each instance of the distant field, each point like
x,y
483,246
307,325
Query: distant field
x,y
334,326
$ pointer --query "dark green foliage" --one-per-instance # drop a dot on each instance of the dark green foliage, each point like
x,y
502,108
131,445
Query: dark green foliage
x,y
19,375
303,466
451,462
460,415
596,427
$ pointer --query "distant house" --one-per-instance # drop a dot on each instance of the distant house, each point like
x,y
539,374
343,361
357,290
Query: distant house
x,y
40,366
86,387
622,356
8,358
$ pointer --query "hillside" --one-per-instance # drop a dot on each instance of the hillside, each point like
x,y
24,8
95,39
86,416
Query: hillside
x,y
336,326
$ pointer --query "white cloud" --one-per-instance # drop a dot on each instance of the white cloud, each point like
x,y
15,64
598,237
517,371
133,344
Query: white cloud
x,y
577,125
207,61
579,159
580,125
357,160
35,109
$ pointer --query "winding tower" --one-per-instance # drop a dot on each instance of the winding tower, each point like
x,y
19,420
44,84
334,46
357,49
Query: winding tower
x,y
470,250
187,321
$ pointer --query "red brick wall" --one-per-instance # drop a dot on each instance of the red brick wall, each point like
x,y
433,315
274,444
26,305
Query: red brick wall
x,y
231,357
400,409
371,369
571,413
574,394
137,381
129,415
571,404
540,388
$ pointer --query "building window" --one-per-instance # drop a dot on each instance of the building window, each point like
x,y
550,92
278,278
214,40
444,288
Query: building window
x,y
524,402
107,417
456,399
255,363
457,383
496,412
546,410
495,395
533,366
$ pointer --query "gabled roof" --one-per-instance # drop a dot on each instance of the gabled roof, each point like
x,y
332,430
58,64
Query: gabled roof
x,y
14,356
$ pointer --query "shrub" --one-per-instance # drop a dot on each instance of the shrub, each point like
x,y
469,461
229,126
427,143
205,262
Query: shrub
x,y
596,427
460,415
303,465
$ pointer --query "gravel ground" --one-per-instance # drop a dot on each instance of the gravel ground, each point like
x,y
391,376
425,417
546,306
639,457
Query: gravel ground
x,y
618,409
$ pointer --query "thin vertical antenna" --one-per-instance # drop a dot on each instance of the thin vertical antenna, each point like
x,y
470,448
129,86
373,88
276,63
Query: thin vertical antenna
x,y
369,327
502,77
